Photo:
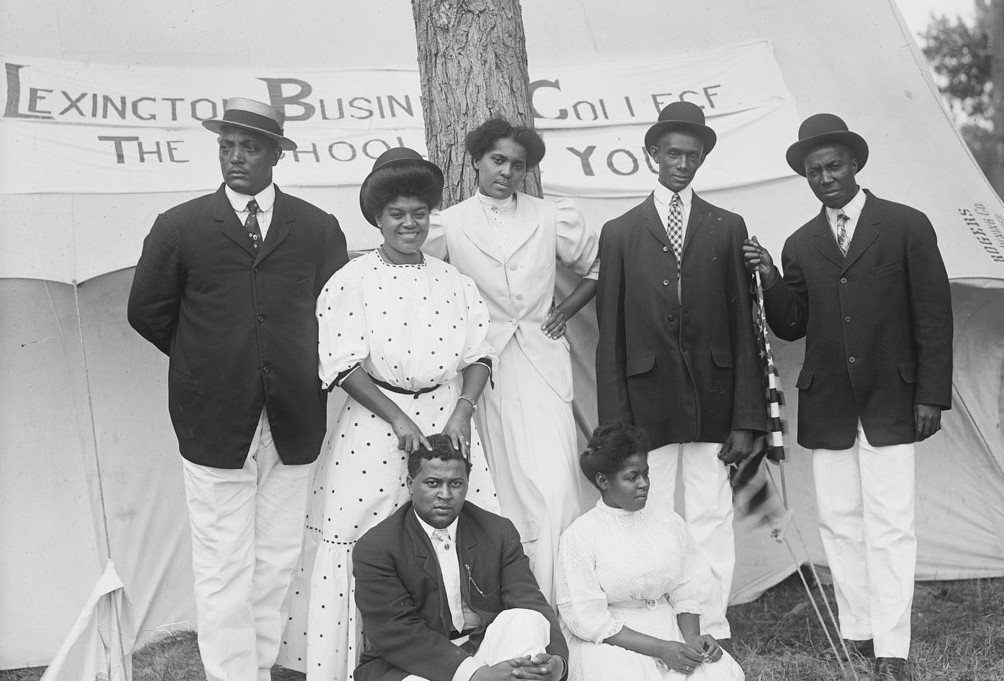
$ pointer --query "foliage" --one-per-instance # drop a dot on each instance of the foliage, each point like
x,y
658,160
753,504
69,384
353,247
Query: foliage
x,y
959,54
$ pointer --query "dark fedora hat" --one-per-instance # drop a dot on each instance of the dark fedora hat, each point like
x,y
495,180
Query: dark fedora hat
x,y
250,114
685,116
397,156
820,129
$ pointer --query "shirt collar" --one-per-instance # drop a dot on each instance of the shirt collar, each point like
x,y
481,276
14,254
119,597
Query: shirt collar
x,y
265,198
851,209
664,195
451,529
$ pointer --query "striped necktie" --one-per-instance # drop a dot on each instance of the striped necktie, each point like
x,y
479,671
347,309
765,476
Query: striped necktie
x,y
842,241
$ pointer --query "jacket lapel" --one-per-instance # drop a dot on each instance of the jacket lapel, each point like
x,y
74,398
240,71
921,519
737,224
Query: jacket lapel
x,y
865,233
426,555
278,228
699,212
824,241
475,226
524,225
650,217
223,213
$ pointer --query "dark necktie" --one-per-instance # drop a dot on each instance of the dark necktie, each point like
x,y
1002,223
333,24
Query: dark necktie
x,y
674,227
251,224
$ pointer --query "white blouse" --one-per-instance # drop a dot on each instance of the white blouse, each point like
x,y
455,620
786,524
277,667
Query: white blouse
x,y
610,559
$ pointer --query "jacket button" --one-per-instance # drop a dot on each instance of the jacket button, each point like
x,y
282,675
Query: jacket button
x,y
665,282
514,267
851,359
665,249
519,296
266,368
261,318
847,318
670,317
843,280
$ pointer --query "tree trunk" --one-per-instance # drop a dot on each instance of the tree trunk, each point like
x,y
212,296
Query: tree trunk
x,y
996,34
472,64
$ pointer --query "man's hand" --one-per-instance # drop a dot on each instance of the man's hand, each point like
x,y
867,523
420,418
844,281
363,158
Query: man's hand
x,y
926,420
680,657
757,259
737,446
542,667
500,671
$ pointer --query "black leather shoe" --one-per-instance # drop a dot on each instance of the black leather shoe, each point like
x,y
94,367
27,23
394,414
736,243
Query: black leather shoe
x,y
891,669
865,649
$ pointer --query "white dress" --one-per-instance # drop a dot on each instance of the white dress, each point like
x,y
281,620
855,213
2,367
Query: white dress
x,y
619,568
510,248
412,326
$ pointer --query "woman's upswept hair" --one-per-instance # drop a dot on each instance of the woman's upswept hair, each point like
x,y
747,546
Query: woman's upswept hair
x,y
413,180
612,443
480,140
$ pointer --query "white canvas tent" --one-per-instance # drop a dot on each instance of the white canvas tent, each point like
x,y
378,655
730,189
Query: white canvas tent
x,y
89,471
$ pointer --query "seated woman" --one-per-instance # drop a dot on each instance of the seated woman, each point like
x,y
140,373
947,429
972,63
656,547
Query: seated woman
x,y
630,580
405,336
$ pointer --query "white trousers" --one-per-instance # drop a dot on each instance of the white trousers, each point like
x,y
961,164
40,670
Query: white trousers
x,y
865,497
247,529
707,504
514,633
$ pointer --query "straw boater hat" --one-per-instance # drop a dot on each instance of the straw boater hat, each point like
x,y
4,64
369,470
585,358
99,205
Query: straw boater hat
x,y
396,156
685,116
821,129
248,114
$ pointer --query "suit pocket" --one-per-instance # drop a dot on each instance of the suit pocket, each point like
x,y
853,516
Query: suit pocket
x,y
908,371
722,357
890,268
635,366
804,379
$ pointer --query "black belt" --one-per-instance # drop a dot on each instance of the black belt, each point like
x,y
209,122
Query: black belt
x,y
402,391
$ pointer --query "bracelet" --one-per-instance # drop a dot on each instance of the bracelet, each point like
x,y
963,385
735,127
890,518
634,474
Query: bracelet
x,y
469,400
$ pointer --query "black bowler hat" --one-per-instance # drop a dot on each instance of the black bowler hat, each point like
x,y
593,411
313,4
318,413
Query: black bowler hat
x,y
250,114
685,116
820,129
397,156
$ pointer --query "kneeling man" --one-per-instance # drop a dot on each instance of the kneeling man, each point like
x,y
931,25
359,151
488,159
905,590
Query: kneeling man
x,y
445,590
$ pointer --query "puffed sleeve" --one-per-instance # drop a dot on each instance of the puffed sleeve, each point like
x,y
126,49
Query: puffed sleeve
x,y
578,246
691,591
581,601
341,325
435,241
476,346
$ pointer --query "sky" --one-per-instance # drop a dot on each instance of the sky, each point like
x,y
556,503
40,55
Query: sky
x,y
917,12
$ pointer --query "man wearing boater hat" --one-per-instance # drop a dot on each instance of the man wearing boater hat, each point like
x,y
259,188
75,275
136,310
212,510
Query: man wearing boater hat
x,y
865,284
226,287
676,354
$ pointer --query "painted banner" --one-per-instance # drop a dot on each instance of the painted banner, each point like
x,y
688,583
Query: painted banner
x,y
95,128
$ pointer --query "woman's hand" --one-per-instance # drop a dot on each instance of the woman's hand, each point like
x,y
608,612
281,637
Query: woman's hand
x,y
458,427
707,646
409,435
680,657
554,326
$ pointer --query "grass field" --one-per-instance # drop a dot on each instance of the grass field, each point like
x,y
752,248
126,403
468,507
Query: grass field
x,y
958,635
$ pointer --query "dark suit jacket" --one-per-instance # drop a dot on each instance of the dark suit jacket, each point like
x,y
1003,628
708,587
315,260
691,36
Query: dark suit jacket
x,y
400,592
684,370
877,324
238,324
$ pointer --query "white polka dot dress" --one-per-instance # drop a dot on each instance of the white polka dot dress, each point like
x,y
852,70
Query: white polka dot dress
x,y
412,326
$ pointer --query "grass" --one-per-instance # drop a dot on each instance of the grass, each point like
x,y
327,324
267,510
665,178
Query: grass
x,y
958,635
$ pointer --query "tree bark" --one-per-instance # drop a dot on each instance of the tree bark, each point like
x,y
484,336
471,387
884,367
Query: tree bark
x,y
472,63
996,34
